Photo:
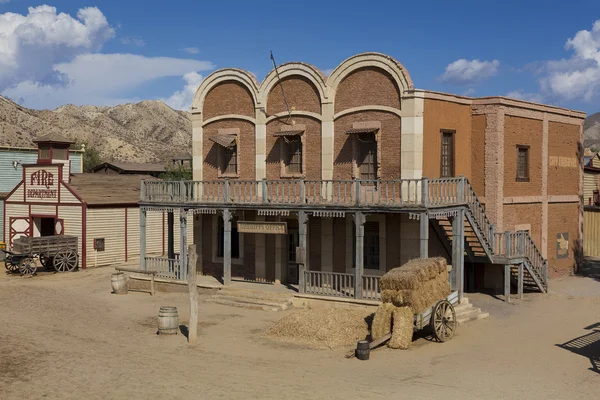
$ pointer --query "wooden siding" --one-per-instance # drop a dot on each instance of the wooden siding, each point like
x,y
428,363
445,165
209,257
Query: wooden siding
x,y
76,164
18,195
53,169
11,176
43,210
107,223
66,196
2,220
591,233
154,240
133,234
590,183
72,217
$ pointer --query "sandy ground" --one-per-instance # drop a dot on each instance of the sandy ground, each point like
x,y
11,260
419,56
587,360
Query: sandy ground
x,y
65,336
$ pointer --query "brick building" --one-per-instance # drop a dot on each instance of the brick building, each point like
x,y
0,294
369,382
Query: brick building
x,y
367,172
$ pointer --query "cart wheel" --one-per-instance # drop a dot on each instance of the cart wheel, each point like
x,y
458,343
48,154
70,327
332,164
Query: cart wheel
x,y
65,261
11,266
27,266
45,260
443,321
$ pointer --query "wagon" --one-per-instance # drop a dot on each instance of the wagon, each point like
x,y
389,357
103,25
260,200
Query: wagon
x,y
58,252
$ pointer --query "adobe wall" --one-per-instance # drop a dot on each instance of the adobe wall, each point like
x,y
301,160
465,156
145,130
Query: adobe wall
x,y
367,86
228,98
522,131
477,178
564,156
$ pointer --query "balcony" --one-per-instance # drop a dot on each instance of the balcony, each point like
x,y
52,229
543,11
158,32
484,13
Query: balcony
x,y
309,194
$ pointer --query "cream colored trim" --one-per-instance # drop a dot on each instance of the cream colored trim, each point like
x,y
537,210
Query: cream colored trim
x,y
572,198
411,148
505,101
220,76
289,70
215,259
452,98
197,147
347,111
229,116
327,141
260,145
523,199
294,112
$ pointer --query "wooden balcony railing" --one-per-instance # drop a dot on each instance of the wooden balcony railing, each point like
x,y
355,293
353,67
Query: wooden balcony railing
x,y
306,193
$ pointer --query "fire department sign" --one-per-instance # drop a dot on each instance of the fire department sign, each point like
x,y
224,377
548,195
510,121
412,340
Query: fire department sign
x,y
41,185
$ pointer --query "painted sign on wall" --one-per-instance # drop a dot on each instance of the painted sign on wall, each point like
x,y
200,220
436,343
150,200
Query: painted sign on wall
x,y
274,228
562,245
42,185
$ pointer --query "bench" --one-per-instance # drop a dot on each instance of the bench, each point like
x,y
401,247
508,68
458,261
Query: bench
x,y
141,271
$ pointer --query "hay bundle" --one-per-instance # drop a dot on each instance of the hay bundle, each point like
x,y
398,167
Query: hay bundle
x,y
322,328
418,284
382,321
403,329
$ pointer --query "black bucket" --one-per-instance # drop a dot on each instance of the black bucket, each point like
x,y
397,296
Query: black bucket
x,y
362,350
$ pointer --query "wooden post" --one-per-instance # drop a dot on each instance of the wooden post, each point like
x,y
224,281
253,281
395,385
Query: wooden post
x,y
181,274
264,191
424,235
520,283
170,235
193,289
507,283
302,228
359,221
507,244
457,281
143,238
226,247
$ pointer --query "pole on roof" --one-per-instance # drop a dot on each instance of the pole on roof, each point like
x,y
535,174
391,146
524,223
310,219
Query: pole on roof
x,y
282,91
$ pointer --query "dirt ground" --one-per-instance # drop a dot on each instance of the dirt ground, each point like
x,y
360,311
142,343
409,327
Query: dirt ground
x,y
65,336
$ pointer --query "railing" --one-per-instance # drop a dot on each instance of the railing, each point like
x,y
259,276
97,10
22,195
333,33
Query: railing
x,y
169,268
484,225
340,285
347,193
521,245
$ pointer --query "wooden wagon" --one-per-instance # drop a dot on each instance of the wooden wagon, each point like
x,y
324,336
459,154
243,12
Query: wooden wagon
x,y
58,252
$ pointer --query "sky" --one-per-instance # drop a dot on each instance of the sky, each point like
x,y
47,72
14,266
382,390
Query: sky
x,y
107,52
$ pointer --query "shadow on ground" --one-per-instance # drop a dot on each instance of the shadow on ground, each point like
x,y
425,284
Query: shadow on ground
x,y
590,268
587,345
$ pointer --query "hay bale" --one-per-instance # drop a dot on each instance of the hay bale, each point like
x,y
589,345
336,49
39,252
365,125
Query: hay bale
x,y
393,296
414,273
427,295
382,321
322,328
402,331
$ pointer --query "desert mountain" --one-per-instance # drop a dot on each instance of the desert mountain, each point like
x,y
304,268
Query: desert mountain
x,y
591,130
149,131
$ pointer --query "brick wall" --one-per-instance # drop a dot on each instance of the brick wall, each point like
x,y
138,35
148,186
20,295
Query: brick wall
x,y
562,218
367,86
300,94
563,159
228,98
246,148
477,176
519,214
440,115
522,131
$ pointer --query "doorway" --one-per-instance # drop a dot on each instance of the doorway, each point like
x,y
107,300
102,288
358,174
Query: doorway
x,y
292,242
47,227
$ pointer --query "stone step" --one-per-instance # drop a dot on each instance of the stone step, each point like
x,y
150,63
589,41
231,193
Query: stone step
x,y
284,305
466,312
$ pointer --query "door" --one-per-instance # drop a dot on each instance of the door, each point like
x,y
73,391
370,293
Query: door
x,y
47,227
293,240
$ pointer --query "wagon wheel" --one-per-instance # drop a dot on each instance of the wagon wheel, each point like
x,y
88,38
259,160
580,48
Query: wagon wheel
x,y
45,260
443,321
10,265
27,266
65,261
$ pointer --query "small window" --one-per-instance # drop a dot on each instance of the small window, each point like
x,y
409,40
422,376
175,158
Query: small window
x,y
229,160
447,155
293,146
367,156
44,152
59,154
235,238
522,163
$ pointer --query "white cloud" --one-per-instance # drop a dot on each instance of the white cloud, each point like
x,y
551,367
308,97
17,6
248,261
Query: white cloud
x,y
182,99
4,1
469,92
191,50
522,95
465,72
102,79
31,45
134,41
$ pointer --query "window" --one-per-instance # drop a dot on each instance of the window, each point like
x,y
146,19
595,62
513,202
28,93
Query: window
x,y
367,156
370,245
235,238
44,152
522,163
229,160
447,155
293,161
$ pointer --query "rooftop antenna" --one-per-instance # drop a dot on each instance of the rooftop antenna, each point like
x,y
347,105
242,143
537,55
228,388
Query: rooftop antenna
x,y
289,121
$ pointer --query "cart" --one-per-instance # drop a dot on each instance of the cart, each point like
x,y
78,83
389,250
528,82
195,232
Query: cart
x,y
58,252
441,317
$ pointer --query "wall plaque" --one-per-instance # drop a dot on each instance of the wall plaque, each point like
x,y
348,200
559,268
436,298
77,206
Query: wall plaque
x,y
562,245
273,228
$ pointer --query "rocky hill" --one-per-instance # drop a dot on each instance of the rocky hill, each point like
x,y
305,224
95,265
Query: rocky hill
x,y
591,130
149,131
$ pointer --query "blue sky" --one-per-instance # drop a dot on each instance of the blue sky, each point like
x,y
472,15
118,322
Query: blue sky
x,y
132,50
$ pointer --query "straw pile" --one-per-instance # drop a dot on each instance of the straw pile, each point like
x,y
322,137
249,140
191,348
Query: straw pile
x,y
403,328
322,328
418,284
382,321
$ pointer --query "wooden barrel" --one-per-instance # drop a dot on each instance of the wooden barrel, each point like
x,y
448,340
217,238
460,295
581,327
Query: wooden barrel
x,y
168,321
118,282
362,350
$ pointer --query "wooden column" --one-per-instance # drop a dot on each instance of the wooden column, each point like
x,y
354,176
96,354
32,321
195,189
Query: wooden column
x,y
170,235
424,235
507,283
193,290
142,238
457,280
182,273
302,230
226,247
359,221
520,283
